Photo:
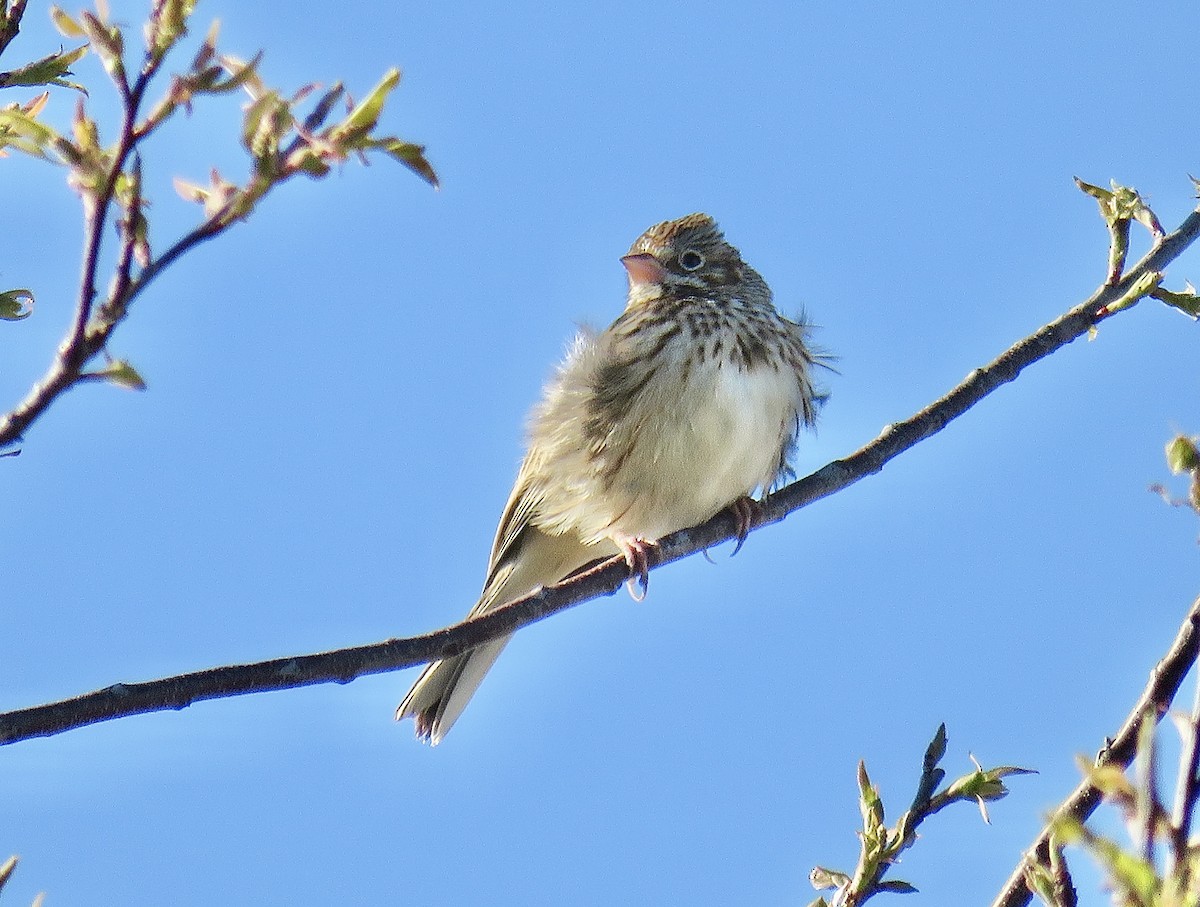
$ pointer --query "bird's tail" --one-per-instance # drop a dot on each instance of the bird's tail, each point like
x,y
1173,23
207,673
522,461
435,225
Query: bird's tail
x,y
445,687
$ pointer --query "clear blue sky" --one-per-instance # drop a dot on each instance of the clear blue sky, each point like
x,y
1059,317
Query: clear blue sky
x,y
334,419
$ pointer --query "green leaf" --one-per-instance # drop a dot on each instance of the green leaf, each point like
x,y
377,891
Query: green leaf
x,y
1121,203
365,115
1183,455
67,26
1119,206
121,373
1095,191
983,785
306,160
1040,880
411,156
1109,779
823,879
20,130
1128,872
107,40
869,803
86,134
1144,286
1067,829
242,75
217,197
167,25
266,122
207,52
15,305
190,191
1126,203
46,71
1185,301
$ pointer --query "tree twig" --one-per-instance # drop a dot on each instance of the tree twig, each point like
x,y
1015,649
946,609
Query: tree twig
x,y
10,21
99,177
1120,750
1186,790
343,665
88,336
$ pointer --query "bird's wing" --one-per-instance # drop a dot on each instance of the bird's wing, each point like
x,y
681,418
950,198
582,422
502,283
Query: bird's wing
x,y
510,535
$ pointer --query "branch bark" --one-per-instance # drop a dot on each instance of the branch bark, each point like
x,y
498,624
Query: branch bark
x,y
344,665
10,21
1120,750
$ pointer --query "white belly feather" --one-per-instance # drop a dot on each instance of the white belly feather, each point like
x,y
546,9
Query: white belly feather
x,y
692,461
691,442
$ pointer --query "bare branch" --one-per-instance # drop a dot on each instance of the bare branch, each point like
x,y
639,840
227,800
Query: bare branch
x,y
343,665
1164,683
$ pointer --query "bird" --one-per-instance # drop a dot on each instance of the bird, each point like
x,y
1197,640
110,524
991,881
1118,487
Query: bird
x,y
686,405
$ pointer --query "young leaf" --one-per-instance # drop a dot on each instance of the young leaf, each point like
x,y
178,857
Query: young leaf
x,y
365,115
122,374
823,879
167,24
1144,286
67,26
46,71
1185,301
108,41
1182,455
243,75
411,156
20,130
15,305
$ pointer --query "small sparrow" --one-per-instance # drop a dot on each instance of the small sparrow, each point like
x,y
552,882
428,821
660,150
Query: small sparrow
x,y
684,406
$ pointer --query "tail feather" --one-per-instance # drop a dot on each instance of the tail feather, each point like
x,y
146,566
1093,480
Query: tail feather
x,y
534,559
444,689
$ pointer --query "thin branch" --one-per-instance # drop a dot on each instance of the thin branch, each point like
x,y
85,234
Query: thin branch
x,y
1146,803
10,21
224,205
88,336
344,665
67,368
880,847
1164,683
1186,790
79,347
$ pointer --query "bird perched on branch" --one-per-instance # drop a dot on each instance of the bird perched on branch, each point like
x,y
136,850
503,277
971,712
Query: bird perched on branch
x,y
687,404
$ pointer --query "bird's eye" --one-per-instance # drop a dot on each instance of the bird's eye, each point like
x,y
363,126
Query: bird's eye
x,y
691,260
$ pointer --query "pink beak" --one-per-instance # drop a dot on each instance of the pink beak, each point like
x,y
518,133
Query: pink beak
x,y
643,269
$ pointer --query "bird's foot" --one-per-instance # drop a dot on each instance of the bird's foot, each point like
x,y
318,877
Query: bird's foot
x,y
637,555
746,512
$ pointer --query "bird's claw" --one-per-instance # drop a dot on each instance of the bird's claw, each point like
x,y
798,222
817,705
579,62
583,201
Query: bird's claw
x,y
637,556
746,512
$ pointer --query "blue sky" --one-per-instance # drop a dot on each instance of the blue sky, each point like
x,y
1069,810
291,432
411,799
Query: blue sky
x,y
334,418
